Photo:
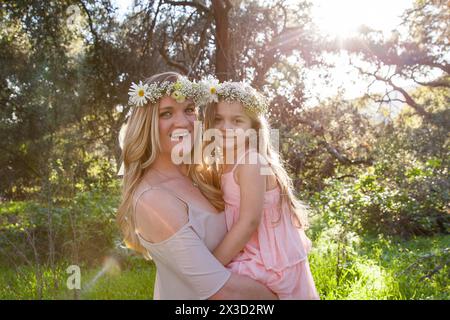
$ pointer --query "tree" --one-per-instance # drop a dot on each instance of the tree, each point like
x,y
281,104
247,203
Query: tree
x,y
419,55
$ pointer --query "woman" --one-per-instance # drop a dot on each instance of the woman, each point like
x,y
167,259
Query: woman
x,y
162,213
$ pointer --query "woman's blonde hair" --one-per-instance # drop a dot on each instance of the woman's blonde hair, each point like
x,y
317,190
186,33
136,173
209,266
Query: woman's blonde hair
x,y
140,148
298,209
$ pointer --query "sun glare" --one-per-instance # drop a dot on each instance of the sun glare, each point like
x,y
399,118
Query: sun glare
x,y
343,18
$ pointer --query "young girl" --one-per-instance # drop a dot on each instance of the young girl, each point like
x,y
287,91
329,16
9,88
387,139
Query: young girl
x,y
265,221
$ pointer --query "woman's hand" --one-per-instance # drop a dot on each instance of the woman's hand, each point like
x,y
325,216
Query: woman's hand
x,y
243,288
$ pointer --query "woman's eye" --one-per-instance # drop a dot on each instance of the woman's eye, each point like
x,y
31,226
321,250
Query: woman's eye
x,y
165,115
190,110
217,120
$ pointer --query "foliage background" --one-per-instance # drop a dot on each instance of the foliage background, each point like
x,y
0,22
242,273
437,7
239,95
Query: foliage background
x,y
374,169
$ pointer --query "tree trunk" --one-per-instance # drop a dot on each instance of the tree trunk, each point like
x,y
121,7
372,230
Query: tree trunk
x,y
220,11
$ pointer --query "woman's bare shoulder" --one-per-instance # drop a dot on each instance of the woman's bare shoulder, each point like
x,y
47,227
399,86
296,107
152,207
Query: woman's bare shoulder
x,y
159,214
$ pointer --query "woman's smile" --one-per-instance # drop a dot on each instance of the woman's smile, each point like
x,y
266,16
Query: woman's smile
x,y
179,134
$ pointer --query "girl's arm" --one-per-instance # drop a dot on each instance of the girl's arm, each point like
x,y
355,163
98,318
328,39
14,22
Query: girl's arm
x,y
252,187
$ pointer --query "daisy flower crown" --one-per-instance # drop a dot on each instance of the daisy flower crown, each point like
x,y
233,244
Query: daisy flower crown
x,y
142,93
250,98
231,91
207,90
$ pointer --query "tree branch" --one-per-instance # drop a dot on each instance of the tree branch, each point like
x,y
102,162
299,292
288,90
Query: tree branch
x,y
284,41
90,22
170,62
408,99
149,40
194,4
445,83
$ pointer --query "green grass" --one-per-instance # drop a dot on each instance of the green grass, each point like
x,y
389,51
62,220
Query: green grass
x,y
131,279
379,268
369,268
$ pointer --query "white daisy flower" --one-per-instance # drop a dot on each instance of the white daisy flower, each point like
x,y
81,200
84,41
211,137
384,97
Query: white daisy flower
x,y
139,94
211,86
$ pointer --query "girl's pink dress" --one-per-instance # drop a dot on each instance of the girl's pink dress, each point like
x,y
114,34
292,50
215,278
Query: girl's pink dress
x,y
277,253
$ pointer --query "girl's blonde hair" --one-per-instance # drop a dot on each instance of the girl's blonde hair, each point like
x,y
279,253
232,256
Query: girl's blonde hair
x,y
140,148
211,175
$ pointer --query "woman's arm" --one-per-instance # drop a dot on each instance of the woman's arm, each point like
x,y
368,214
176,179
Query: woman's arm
x,y
252,187
243,288
158,217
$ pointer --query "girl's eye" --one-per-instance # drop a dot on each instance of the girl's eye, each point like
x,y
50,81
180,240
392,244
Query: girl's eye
x,y
190,110
165,115
217,120
237,121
